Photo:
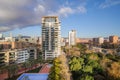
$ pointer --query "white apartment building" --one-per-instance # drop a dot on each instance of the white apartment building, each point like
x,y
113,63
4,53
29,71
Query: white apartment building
x,y
101,40
72,37
51,37
14,56
98,40
17,56
21,55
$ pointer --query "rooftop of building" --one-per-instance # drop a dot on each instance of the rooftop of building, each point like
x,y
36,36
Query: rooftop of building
x,y
49,16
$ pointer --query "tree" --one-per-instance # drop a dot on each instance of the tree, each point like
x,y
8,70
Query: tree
x,y
85,67
3,69
31,63
59,70
114,71
75,64
64,73
12,70
82,48
39,59
86,77
55,70
25,65
118,49
109,46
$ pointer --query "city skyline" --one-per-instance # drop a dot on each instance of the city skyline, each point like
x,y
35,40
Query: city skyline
x,y
89,18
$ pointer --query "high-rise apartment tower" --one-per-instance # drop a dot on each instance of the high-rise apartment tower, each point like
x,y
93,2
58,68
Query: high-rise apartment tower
x,y
72,37
51,37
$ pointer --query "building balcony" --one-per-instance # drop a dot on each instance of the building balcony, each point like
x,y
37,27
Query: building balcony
x,y
2,58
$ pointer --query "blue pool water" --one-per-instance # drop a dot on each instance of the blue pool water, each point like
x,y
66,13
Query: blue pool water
x,y
33,76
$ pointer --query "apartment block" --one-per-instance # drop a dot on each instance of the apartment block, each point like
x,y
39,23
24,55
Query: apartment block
x,y
32,53
113,39
2,58
21,55
98,40
15,45
17,56
72,37
51,37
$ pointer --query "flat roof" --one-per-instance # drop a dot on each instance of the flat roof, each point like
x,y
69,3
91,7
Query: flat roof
x,y
33,76
49,16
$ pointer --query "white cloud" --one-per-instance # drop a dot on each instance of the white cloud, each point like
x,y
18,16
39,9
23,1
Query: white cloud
x,y
82,9
16,12
39,8
20,14
65,11
109,3
4,28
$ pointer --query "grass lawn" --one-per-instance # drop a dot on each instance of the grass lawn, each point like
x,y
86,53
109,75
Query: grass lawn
x,y
31,71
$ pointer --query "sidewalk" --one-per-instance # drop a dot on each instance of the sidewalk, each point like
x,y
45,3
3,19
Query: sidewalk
x,y
45,68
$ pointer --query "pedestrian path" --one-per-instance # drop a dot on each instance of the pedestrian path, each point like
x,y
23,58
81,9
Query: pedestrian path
x,y
45,69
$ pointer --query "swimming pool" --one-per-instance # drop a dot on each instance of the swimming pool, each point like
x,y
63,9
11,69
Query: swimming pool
x,y
33,76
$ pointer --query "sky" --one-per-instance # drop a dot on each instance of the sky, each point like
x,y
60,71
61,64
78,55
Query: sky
x,y
90,18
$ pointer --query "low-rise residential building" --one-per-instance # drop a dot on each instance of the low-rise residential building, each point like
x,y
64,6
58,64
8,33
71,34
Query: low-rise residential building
x,y
7,57
15,45
11,56
113,39
98,41
63,42
17,56
96,49
83,40
22,55
32,53
2,58
18,49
